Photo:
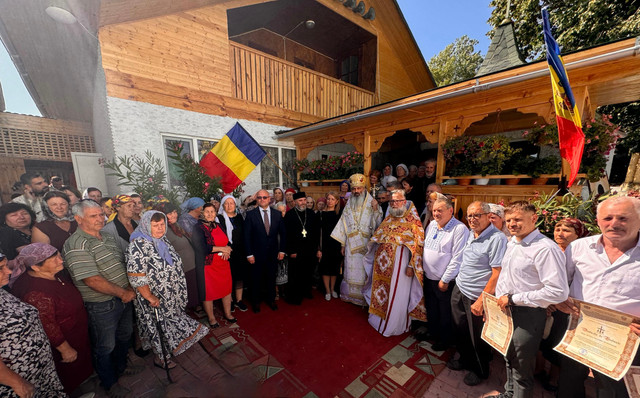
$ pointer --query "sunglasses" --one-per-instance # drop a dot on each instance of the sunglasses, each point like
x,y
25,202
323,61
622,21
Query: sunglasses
x,y
262,197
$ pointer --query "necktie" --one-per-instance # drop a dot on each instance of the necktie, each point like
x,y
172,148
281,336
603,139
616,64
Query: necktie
x,y
266,221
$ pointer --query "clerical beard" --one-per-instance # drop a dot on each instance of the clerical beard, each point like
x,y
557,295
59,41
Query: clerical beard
x,y
357,200
396,212
301,208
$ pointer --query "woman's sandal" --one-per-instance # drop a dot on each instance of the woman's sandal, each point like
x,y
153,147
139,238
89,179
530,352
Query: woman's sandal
x,y
230,320
213,325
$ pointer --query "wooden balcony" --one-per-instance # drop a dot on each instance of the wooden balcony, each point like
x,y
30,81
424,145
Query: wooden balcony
x,y
269,80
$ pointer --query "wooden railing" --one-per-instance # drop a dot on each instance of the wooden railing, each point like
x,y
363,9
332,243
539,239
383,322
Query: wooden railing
x,y
269,80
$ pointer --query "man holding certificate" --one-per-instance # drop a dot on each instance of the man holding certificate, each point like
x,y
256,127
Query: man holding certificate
x,y
604,270
479,271
533,277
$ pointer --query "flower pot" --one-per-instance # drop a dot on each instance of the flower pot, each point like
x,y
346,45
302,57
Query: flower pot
x,y
539,181
482,181
464,181
511,181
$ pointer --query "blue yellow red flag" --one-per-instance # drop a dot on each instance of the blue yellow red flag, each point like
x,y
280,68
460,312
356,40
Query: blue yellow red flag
x,y
233,158
570,135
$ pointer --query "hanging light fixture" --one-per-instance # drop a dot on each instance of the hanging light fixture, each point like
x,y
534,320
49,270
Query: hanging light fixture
x,y
61,14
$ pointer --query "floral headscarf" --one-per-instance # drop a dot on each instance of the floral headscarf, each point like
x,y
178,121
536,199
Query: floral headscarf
x,y
30,255
576,224
144,231
116,202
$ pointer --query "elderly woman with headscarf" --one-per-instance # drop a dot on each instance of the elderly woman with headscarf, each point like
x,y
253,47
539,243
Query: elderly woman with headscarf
x,y
387,175
496,216
233,224
181,242
92,193
60,308
402,172
566,231
59,223
26,364
16,221
155,271
191,212
121,224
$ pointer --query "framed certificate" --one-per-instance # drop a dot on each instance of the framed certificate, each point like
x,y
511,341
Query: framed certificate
x,y
632,381
601,339
498,326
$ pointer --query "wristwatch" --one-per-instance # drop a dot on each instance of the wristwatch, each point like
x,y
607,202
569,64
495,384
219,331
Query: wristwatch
x,y
510,298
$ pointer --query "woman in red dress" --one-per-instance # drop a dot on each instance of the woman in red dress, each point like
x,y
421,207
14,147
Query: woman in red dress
x,y
212,265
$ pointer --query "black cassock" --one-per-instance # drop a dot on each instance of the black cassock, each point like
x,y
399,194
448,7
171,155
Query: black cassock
x,y
303,237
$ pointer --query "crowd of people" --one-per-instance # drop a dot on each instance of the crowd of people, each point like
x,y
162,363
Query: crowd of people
x,y
97,276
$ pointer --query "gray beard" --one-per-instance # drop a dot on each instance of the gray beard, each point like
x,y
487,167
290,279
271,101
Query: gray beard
x,y
301,209
357,201
396,212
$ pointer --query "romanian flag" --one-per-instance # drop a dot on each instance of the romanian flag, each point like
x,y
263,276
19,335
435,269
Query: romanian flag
x,y
233,158
570,135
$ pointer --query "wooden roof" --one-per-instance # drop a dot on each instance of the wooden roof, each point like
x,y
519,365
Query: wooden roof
x,y
608,74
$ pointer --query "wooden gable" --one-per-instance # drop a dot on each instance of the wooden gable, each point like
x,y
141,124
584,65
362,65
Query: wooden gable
x,y
184,57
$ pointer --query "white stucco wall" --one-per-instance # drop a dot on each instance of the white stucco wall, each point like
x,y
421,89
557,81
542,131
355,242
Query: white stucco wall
x,y
138,126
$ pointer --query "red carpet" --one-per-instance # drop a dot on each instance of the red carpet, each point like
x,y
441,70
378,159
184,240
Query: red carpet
x,y
320,349
324,344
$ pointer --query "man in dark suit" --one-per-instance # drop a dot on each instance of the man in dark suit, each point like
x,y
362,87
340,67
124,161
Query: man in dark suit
x,y
264,235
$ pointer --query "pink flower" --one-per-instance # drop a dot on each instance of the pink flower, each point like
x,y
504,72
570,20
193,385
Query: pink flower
x,y
180,146
206,184
589,141
150,179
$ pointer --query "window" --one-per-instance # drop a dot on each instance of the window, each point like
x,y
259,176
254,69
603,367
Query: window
x,y
173,175
349,70
270,174
269,177
204,146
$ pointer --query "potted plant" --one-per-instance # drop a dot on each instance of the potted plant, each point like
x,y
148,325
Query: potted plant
x,y
459,154
494,153
538,166
601,137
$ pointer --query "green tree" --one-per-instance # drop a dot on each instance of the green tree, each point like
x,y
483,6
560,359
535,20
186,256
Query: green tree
x,y
577,23
457,62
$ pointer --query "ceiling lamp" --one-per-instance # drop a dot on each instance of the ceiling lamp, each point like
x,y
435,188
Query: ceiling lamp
x,y
60,14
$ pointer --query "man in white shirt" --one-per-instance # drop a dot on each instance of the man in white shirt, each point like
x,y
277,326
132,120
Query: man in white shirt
x,y
604,270
533,277
444,240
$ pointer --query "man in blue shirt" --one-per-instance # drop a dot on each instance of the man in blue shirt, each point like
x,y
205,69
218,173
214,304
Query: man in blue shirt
x,y
479,271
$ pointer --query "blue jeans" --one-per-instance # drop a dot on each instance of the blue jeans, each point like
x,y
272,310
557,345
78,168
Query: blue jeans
x,y
110,328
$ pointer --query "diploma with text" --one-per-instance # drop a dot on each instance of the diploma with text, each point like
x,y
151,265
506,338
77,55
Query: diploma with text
x,y
601,339
498,325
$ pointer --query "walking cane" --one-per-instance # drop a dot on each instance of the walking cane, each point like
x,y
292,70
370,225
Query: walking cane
x,y
162,344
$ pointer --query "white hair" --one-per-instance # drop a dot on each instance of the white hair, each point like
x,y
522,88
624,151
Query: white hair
x,y
635,202
79,208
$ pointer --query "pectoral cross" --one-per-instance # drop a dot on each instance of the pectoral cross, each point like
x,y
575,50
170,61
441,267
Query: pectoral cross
x,y
304,233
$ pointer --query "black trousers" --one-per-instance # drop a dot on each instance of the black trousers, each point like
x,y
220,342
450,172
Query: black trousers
x,y
573,374
263,282
438,306
475,353
300,277
528,327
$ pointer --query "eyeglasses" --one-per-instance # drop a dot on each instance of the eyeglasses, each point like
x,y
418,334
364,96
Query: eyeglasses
x,y
262,197
475,216
397,201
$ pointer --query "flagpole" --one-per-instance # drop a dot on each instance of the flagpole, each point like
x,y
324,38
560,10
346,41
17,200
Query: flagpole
x,y
278,166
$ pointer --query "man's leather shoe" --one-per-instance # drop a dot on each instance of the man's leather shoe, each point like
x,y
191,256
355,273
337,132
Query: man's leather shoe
x,y
273,306
256,309
454,364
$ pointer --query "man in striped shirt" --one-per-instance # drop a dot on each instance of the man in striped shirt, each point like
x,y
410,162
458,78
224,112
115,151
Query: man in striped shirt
x,y
97,267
